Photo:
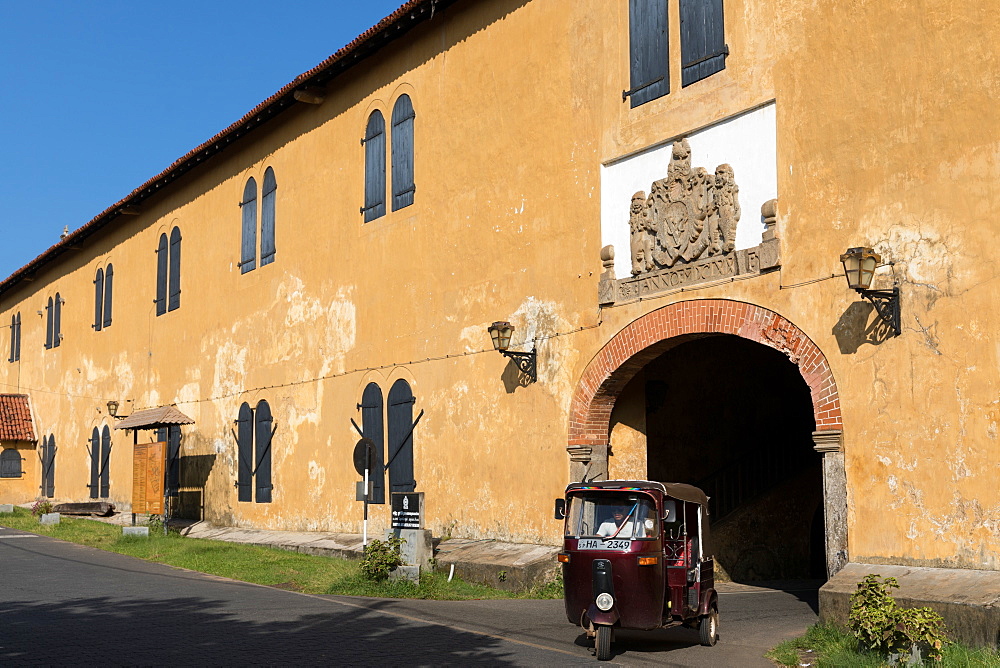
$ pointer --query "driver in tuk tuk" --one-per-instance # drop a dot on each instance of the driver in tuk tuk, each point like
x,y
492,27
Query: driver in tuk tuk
x,y
610,527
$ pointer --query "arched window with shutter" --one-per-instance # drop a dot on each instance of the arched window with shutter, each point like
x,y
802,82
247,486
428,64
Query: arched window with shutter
x,y
401,427
374,142
270,188
372,427
48,485
99,300
95,463
15,338
263,432
175,269
48,323
10,464
403,187
105,472
162,251
248,211
244,455
109,278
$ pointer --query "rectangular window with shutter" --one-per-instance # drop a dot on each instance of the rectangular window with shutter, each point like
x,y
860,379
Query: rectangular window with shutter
x,y
703,40
649,69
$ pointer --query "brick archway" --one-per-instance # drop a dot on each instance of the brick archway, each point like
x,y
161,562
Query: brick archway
x,y
650,336
654,333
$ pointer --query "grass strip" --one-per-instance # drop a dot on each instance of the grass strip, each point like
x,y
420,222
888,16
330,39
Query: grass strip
x,y
273,567
825,646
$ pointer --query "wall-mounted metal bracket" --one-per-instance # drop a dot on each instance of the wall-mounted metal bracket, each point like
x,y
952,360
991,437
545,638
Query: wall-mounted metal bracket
x,y
886,303
525,362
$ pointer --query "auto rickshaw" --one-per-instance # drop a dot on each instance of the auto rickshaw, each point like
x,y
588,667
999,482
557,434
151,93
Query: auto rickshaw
x,y
633,558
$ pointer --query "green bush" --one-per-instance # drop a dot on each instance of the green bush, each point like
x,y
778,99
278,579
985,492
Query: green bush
x,y
41,507
381,558
879,624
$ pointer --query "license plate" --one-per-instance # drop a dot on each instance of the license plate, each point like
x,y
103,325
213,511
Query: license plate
x,y
598,544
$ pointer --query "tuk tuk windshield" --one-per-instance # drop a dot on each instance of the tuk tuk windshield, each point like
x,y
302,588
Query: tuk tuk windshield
x,y
615,515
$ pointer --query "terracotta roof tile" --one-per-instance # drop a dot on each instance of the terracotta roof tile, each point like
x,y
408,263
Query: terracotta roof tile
x,y
15,418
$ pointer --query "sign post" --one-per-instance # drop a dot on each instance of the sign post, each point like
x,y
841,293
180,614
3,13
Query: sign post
x,y
363,452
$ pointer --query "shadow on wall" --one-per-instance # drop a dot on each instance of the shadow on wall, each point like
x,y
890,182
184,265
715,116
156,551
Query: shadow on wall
x,y
194,472
853,329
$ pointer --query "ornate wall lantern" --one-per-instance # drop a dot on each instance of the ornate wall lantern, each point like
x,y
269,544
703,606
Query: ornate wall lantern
x,y
859,269
113,410
500,333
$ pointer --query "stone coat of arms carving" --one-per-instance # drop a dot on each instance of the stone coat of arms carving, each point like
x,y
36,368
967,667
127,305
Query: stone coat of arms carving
x,y
689,215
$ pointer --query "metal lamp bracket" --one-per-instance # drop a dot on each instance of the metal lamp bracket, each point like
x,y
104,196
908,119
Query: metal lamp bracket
x,y
525,362
886,303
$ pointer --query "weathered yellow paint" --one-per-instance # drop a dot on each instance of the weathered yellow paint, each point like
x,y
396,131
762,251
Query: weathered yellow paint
x,y
886,136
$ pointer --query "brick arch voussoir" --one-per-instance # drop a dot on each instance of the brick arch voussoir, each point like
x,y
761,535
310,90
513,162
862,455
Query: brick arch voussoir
x,y
644,339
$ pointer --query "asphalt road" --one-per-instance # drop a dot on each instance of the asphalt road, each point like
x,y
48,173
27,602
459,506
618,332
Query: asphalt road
x,y
63,604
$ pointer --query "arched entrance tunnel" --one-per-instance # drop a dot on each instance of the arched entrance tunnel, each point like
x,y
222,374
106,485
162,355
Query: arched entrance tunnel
x,y
733,417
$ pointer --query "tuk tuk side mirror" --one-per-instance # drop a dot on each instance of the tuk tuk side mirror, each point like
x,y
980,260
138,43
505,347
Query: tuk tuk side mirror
x,y
560,509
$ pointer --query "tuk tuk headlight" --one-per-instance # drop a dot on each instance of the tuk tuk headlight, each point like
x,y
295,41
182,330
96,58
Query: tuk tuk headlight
x,y
605,601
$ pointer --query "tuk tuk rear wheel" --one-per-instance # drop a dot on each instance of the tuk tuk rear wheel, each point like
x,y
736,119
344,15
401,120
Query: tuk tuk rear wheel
x,y
603,642
708,628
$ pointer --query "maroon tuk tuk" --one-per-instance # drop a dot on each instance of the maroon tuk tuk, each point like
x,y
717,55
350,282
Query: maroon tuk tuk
x,y
634,558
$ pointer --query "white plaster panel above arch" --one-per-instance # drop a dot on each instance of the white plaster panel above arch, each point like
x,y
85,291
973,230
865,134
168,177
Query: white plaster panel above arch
x,y
746,142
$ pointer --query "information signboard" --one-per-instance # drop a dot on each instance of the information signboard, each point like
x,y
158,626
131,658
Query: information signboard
x,y
147,477
407,510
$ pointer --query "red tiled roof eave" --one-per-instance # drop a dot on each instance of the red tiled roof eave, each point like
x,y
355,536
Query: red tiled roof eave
x,y
365,44
15,418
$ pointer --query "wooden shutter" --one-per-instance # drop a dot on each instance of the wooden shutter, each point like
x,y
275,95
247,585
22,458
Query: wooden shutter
x,y
267,249
99,300
17,338
105,462
161,275
10,464
49,467
703,40
372,426
244,445
175,269
403,188
48,323
13,338
57,321
649,68
374,167
248,210
95,463
262,453
400,418
109,279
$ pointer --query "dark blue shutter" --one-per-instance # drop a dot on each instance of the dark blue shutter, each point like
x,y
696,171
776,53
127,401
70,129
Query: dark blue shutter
x,y
374,167
262,466
402,153
48,323
173,459
703,40
109,279
99,300
105,462
372,427
13,339
401,437
161,275
248,209
49,467
95,463
57,321
649,68
10,464
267,218
244,447
175,269
17,339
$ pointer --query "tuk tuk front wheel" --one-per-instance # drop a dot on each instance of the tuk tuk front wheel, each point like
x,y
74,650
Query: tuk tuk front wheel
x,y
708,628
603,642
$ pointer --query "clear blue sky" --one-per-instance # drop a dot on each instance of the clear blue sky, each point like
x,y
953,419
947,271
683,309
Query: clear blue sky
x,y
97,96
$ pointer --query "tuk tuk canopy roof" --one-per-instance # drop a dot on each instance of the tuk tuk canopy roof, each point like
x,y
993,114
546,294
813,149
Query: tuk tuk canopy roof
x,y
676,490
